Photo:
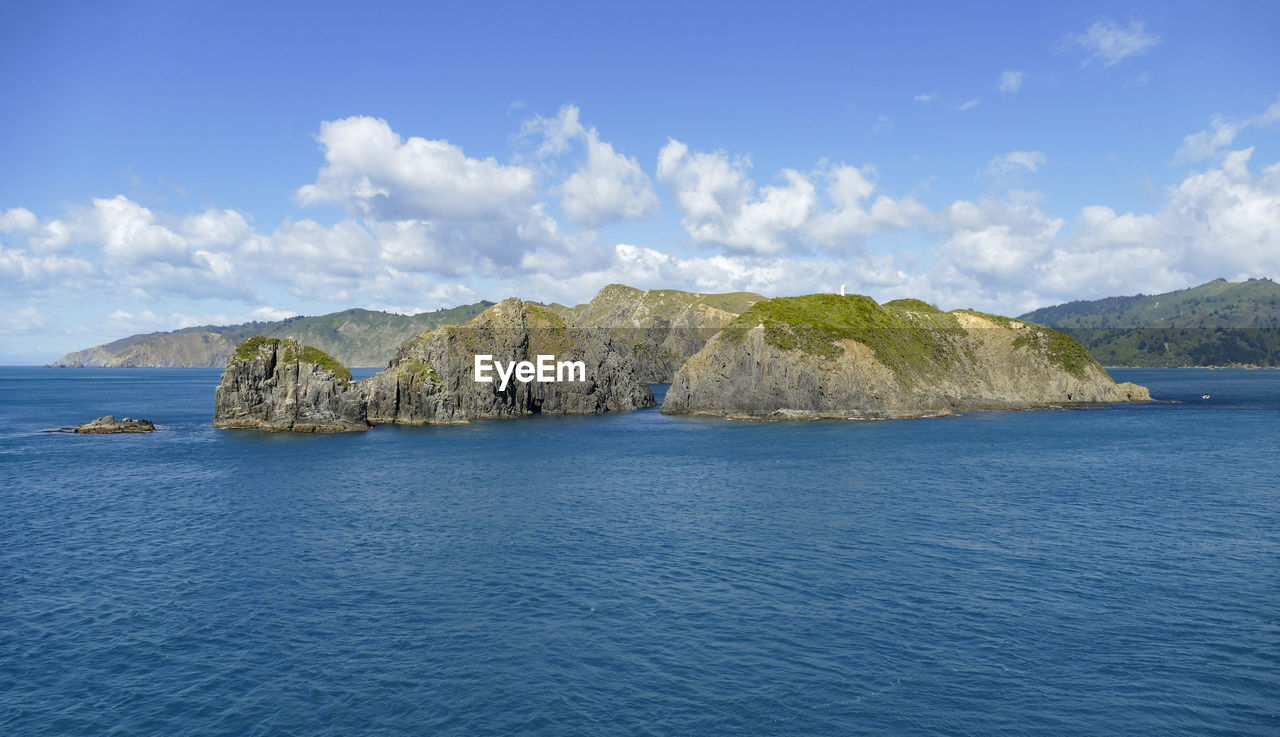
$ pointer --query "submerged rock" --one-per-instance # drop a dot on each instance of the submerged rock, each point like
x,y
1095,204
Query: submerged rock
x,y
825,355
432,377
276,384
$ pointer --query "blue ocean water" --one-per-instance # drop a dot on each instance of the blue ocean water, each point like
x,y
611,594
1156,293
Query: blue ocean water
x,y
1099,571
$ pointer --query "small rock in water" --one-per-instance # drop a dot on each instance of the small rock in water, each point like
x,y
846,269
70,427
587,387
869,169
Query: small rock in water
x,y
110,424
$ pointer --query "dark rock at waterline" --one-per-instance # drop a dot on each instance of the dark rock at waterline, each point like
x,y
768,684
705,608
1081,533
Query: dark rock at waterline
x,y
109,425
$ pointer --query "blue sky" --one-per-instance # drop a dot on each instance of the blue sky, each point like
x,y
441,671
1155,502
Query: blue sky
x,y
175,164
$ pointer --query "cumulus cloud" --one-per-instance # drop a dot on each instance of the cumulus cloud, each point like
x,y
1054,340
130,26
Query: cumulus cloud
x,y
22,271
445,205
607,186
851,219
1107,43
372,172
46,237
722,205
925,97
997,241
1015,161
125,248
1010,81
1219,222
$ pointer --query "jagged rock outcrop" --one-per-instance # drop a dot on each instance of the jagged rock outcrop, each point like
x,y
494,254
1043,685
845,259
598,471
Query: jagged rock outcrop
x,y
662,327
432,377
834,356
276,384
110,425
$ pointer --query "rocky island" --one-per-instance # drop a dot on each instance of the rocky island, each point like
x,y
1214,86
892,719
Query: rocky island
x,y
830,356
109,425
661,327
278,384
432,378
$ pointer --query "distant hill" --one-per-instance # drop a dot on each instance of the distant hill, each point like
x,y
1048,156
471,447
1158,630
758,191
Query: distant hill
x,y
355,337
1221,323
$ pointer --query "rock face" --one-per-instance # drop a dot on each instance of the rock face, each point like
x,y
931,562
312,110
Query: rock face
x,y
432,377
276,384
824,355
110,425
662,327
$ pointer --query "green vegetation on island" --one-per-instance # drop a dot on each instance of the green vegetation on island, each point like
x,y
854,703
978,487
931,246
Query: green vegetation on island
x,y
911,337
293,352
838,356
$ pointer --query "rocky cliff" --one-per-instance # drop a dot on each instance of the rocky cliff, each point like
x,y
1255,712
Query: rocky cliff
x,y
277,384
662,327
824,355
432,377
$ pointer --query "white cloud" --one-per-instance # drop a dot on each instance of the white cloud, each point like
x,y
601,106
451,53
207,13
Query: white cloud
x,y
969,104
370,171
216,229
320,262
40,237
443,206
1010,81
1221,133
23,321
267,313
1220,222
849,221
121,322
1108,43
925,97
607,186
129,234
1015,161
722,205
996,240
882,124
22,271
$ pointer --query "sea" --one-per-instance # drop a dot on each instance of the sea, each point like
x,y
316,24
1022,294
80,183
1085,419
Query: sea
x,y
1102,571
